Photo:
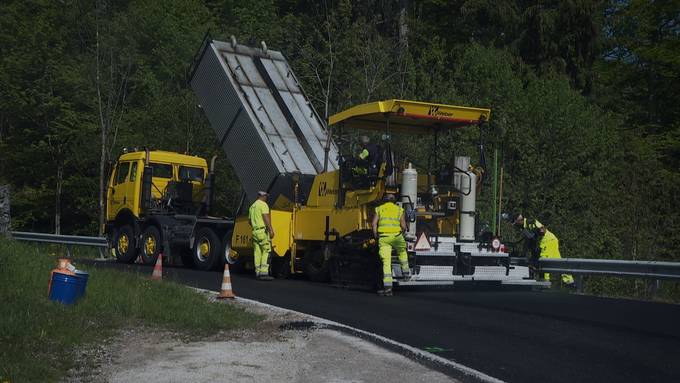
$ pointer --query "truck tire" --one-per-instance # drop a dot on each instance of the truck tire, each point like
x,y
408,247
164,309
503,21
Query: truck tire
x,y
236,265
207,249
317,263
151,245
125,246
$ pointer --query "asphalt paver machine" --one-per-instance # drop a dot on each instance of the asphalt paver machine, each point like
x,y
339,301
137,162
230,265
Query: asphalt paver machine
x,y
320,208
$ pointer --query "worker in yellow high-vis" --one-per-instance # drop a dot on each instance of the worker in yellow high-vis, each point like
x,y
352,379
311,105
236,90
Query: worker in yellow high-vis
x,y
548,244
389,225
368,159
260,221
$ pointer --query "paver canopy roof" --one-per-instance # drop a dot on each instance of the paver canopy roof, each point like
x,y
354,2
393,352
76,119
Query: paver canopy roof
x,y
408,116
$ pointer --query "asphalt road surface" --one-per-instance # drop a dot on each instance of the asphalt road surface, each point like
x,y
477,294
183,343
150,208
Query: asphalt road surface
x,y
516,336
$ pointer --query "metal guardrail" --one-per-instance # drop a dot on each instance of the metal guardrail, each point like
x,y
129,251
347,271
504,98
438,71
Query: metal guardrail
x,y
69,240
611,267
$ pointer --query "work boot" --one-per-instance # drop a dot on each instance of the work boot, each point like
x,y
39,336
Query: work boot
x,y
385,292
266,278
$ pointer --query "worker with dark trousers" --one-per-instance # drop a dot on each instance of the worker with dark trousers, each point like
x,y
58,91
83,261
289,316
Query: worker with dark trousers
x,y
260,221
389,225
548,245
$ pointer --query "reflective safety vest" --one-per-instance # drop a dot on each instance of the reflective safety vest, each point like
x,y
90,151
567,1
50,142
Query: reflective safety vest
x,y
364,154
255,212
389,218
539,230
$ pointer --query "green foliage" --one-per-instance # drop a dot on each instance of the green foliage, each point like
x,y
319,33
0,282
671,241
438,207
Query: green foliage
x,y
33,328
552,35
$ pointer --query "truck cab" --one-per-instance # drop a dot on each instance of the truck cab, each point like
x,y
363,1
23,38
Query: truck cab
x,y
125,184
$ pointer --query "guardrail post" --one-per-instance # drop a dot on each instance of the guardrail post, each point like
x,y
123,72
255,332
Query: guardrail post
x,y
579,283
4,210
653,287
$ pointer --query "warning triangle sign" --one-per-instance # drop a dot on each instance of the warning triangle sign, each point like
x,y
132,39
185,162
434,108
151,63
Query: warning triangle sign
x,y
423,243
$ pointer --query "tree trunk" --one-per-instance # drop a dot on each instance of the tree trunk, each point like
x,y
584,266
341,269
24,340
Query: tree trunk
x,y
403,45
102,158
4,210
57,200
403,26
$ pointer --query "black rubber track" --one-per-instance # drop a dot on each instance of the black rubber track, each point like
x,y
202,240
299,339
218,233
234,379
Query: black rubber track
x,y
517,336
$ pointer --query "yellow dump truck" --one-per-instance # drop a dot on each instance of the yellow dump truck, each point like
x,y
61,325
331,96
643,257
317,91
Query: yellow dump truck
x,y
321,208
160,201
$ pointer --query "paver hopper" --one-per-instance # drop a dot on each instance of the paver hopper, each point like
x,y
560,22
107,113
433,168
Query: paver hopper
x,y
266,125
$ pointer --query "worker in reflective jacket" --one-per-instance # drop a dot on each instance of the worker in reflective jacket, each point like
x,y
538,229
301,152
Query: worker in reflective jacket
x,y
548,244
368,158
260,221
388,226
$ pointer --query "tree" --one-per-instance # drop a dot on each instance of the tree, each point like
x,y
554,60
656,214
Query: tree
x,y
42,100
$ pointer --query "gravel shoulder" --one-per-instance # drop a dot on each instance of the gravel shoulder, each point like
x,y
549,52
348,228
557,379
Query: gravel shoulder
x,y
284,347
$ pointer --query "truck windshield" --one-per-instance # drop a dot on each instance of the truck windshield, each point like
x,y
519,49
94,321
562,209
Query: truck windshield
x,y
190,173
161,170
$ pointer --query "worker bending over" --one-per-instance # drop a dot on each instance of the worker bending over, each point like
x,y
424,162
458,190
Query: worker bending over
x,y
548,244
388,226
260,221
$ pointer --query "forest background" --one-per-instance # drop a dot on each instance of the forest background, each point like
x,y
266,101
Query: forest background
x,y
584,98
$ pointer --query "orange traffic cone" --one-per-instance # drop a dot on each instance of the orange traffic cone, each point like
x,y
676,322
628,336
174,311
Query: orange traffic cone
x,y
226,291
158,268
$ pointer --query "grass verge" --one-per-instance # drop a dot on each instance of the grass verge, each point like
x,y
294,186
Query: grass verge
x,y
38,336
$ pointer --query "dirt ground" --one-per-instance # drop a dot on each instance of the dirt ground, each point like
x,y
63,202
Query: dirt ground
x,y
284,347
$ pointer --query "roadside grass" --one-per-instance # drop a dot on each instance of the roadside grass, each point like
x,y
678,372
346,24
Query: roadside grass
x,y
38,336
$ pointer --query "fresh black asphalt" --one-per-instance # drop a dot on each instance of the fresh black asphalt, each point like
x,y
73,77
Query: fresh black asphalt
x,y
516,336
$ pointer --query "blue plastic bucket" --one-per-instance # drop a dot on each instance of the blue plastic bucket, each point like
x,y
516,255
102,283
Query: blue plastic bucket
x,y
82,282
64,288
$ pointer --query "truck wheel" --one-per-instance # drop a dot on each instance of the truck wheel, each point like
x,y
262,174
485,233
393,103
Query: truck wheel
x,y
207,249
317,263
124,244
236,265
151,245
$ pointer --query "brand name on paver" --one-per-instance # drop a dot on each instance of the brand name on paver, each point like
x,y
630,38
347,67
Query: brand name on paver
x,y
324,190
434,111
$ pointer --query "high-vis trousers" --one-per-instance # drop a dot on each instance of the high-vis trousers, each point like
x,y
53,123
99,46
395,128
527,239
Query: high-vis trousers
x,y
550,248
386,243
261,248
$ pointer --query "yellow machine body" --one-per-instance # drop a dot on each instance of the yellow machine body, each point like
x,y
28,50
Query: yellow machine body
x,y
297,226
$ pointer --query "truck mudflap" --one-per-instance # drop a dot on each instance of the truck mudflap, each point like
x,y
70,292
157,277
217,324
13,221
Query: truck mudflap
x,y
443,275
